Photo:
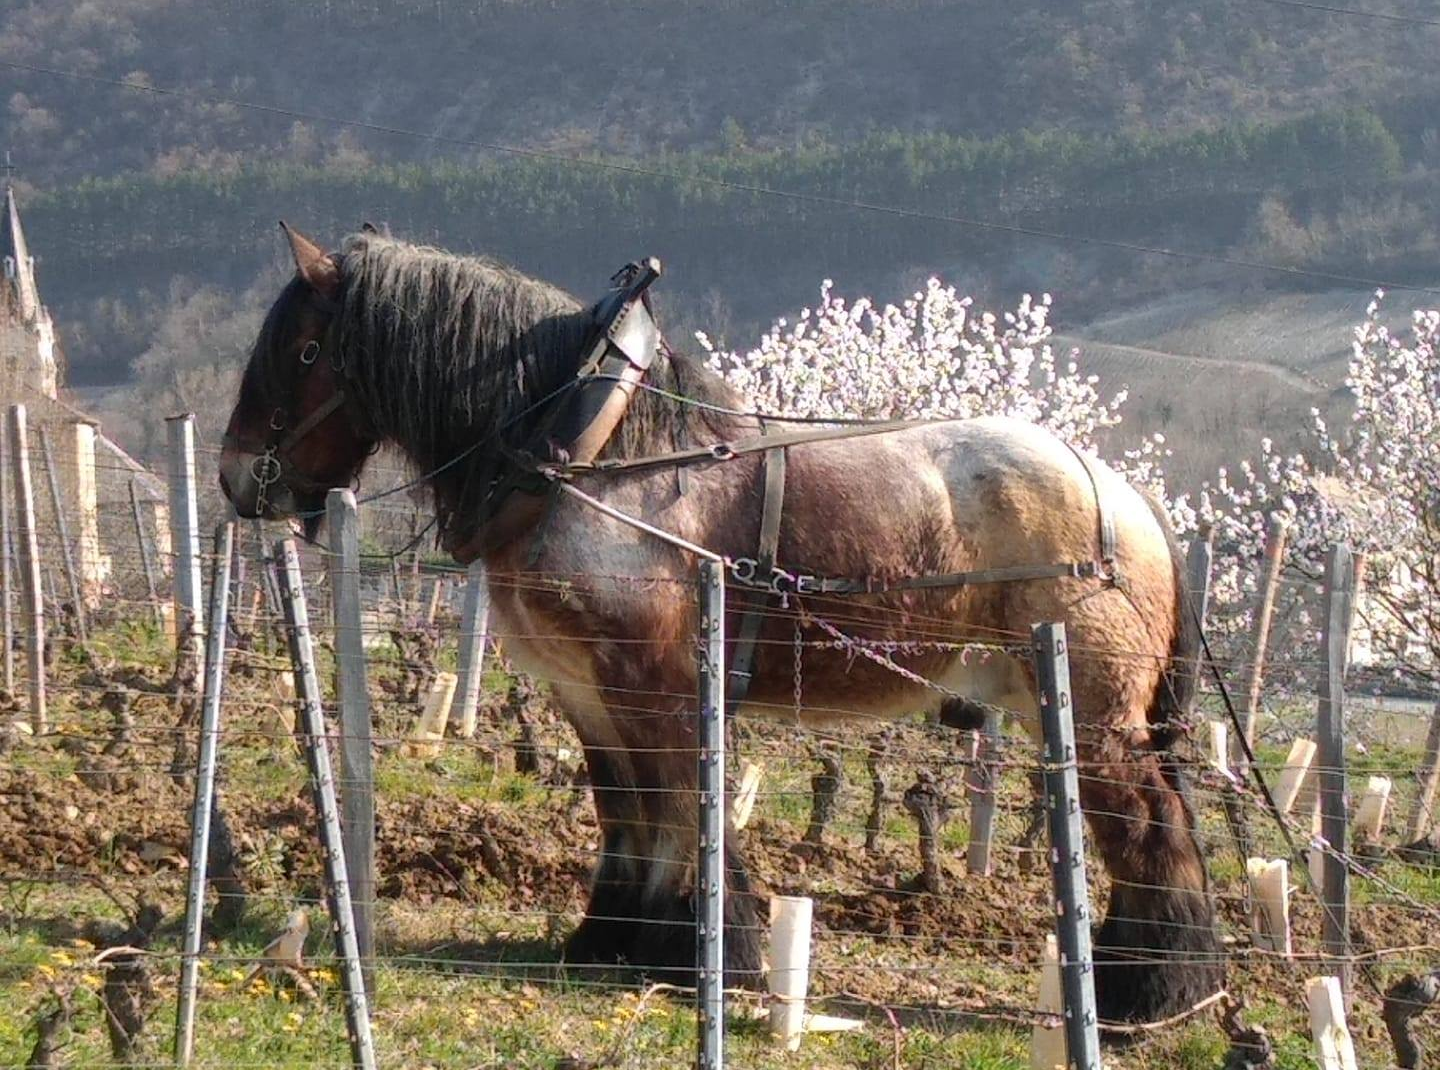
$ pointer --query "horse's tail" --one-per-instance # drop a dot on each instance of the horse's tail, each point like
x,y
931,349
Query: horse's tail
x,y
1175,696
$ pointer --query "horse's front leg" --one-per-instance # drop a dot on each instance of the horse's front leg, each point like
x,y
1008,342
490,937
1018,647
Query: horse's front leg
x,y
643,773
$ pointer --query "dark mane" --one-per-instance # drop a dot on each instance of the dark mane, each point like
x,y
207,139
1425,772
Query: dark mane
x,y
442,349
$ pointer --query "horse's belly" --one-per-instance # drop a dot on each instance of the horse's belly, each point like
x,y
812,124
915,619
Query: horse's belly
x,y
868,692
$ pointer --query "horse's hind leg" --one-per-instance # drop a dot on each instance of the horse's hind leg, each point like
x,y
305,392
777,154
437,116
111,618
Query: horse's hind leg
x,y
1159,950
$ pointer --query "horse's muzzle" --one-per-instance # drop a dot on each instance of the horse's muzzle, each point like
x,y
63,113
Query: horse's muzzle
x,y
239,484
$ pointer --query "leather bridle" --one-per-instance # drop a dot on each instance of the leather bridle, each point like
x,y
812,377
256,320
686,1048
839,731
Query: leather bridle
x,y
274,456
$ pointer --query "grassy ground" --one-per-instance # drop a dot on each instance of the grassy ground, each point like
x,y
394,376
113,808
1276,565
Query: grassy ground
x,y
468,972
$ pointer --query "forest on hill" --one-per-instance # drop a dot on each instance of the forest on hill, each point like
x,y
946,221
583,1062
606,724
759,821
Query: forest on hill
x,y
637,77
757,148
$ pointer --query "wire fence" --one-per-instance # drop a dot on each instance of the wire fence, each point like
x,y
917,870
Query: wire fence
x,y
534,876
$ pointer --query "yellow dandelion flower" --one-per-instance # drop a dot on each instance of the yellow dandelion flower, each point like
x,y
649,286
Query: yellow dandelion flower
x,y
327,975
236,975
295,1016
284,994
83,945
45,971
60,958
92,980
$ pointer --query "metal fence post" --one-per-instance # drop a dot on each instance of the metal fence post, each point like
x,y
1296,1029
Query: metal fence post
x,y
29,565
322,783
710,922
1067,849
62,531
470,658
204,791
1335,890
185,536
357,774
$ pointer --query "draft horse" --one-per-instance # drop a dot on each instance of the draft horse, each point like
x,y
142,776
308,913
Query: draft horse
x,y
462,363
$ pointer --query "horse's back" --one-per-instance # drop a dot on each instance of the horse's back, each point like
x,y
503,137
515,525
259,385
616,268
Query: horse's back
x,y
1001,488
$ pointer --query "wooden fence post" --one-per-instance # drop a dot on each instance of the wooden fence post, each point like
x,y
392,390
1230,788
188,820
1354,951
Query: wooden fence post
x,y
29,565
470,657
145,561
7,580
1335,893
981,784
62,531
1072,893
357,772
164,550
270,580
94,565
1418,822
204,792
185,537
1047,1042
1199,562
400,606
1275,536
322,784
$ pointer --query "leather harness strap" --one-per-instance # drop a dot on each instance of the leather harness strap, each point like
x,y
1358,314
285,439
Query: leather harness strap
x,y
1106,518
742,662
728,451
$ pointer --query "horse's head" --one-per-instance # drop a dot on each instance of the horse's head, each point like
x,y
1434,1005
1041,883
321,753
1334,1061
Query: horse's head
x,y
291,436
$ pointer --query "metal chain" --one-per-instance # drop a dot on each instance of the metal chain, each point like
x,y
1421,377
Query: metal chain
x,y
266,470
857,646
799,669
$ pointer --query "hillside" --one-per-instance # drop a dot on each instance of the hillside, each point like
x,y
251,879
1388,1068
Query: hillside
x,y
640,76
1007,147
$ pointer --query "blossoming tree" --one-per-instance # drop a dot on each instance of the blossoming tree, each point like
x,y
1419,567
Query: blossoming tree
x,y
1372,481
935,356
932,356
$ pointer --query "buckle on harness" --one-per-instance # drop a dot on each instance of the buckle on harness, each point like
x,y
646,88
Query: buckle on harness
x,y
780,583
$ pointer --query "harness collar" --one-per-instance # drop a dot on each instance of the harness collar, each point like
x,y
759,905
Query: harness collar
x,y
573,428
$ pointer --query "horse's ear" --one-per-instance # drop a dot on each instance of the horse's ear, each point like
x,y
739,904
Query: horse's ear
x,y
312,265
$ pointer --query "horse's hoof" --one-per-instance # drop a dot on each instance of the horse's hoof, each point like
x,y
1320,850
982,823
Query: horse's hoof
x,y
1157,960
603,941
